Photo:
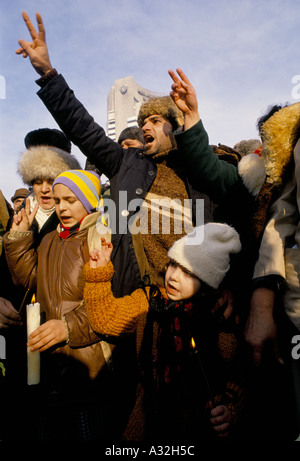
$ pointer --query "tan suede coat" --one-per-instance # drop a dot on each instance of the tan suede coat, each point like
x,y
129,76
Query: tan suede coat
x,y
55,272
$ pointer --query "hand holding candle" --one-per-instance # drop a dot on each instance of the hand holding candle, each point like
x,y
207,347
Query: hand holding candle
x,y
47,335
220,420
220,415
40,338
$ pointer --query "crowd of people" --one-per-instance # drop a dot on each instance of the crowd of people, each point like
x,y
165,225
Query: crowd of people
x,y
151,333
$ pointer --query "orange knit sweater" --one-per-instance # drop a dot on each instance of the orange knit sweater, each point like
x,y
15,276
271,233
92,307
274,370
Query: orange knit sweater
x,y
112,316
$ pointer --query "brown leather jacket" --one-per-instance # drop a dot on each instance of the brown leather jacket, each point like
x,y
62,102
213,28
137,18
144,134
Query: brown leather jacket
x,y
55,272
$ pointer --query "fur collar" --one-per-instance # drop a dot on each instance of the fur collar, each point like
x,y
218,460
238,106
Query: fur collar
x,y
96,229
252,170
280,134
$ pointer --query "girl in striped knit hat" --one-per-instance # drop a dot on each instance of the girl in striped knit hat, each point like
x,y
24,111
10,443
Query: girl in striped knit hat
x,y
72,354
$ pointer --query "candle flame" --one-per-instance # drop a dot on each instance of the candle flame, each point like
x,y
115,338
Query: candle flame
x,y
33,299
193,344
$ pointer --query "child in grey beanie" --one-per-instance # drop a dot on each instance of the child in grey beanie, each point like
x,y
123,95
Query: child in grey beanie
x,y
190,387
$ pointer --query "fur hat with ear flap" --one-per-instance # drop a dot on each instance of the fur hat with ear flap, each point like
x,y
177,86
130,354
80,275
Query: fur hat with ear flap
x,y
206,251
45,162
164,106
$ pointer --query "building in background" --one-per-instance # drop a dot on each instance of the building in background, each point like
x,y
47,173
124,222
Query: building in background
x,y
123,104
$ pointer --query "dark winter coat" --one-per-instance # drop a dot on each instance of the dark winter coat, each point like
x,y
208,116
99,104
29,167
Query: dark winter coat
x,y
129,171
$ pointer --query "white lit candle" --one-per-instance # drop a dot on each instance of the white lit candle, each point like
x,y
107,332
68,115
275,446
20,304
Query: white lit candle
x,y
33,357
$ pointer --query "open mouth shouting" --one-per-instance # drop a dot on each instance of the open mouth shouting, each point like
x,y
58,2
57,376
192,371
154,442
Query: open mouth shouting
x,y
46,199
148,140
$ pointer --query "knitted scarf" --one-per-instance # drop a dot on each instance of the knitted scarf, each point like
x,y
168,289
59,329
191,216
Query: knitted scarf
x,y
174,385
41,215
178,382
173,338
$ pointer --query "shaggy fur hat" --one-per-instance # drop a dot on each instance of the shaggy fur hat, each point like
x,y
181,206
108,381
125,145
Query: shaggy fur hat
x,y
205,252
47,137
43,162
163,105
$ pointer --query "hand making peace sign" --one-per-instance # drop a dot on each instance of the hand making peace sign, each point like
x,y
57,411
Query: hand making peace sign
x,y
184,96
37,49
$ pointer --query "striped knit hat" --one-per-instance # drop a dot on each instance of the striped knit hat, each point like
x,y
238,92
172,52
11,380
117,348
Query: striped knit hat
x,y
86,185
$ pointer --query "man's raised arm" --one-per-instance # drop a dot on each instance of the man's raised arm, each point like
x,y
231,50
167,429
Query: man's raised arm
x,y
203,166
68,112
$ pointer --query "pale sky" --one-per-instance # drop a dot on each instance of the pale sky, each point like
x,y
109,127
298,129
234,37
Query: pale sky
x,y
241,56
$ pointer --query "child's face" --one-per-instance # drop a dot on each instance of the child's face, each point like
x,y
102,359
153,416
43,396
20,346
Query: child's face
x,y
179,284
67,206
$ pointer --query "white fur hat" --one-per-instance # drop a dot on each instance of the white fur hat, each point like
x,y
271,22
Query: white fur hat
x,y
205,252
44,162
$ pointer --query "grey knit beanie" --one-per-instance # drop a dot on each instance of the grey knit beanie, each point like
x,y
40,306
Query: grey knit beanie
x,y
205,252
